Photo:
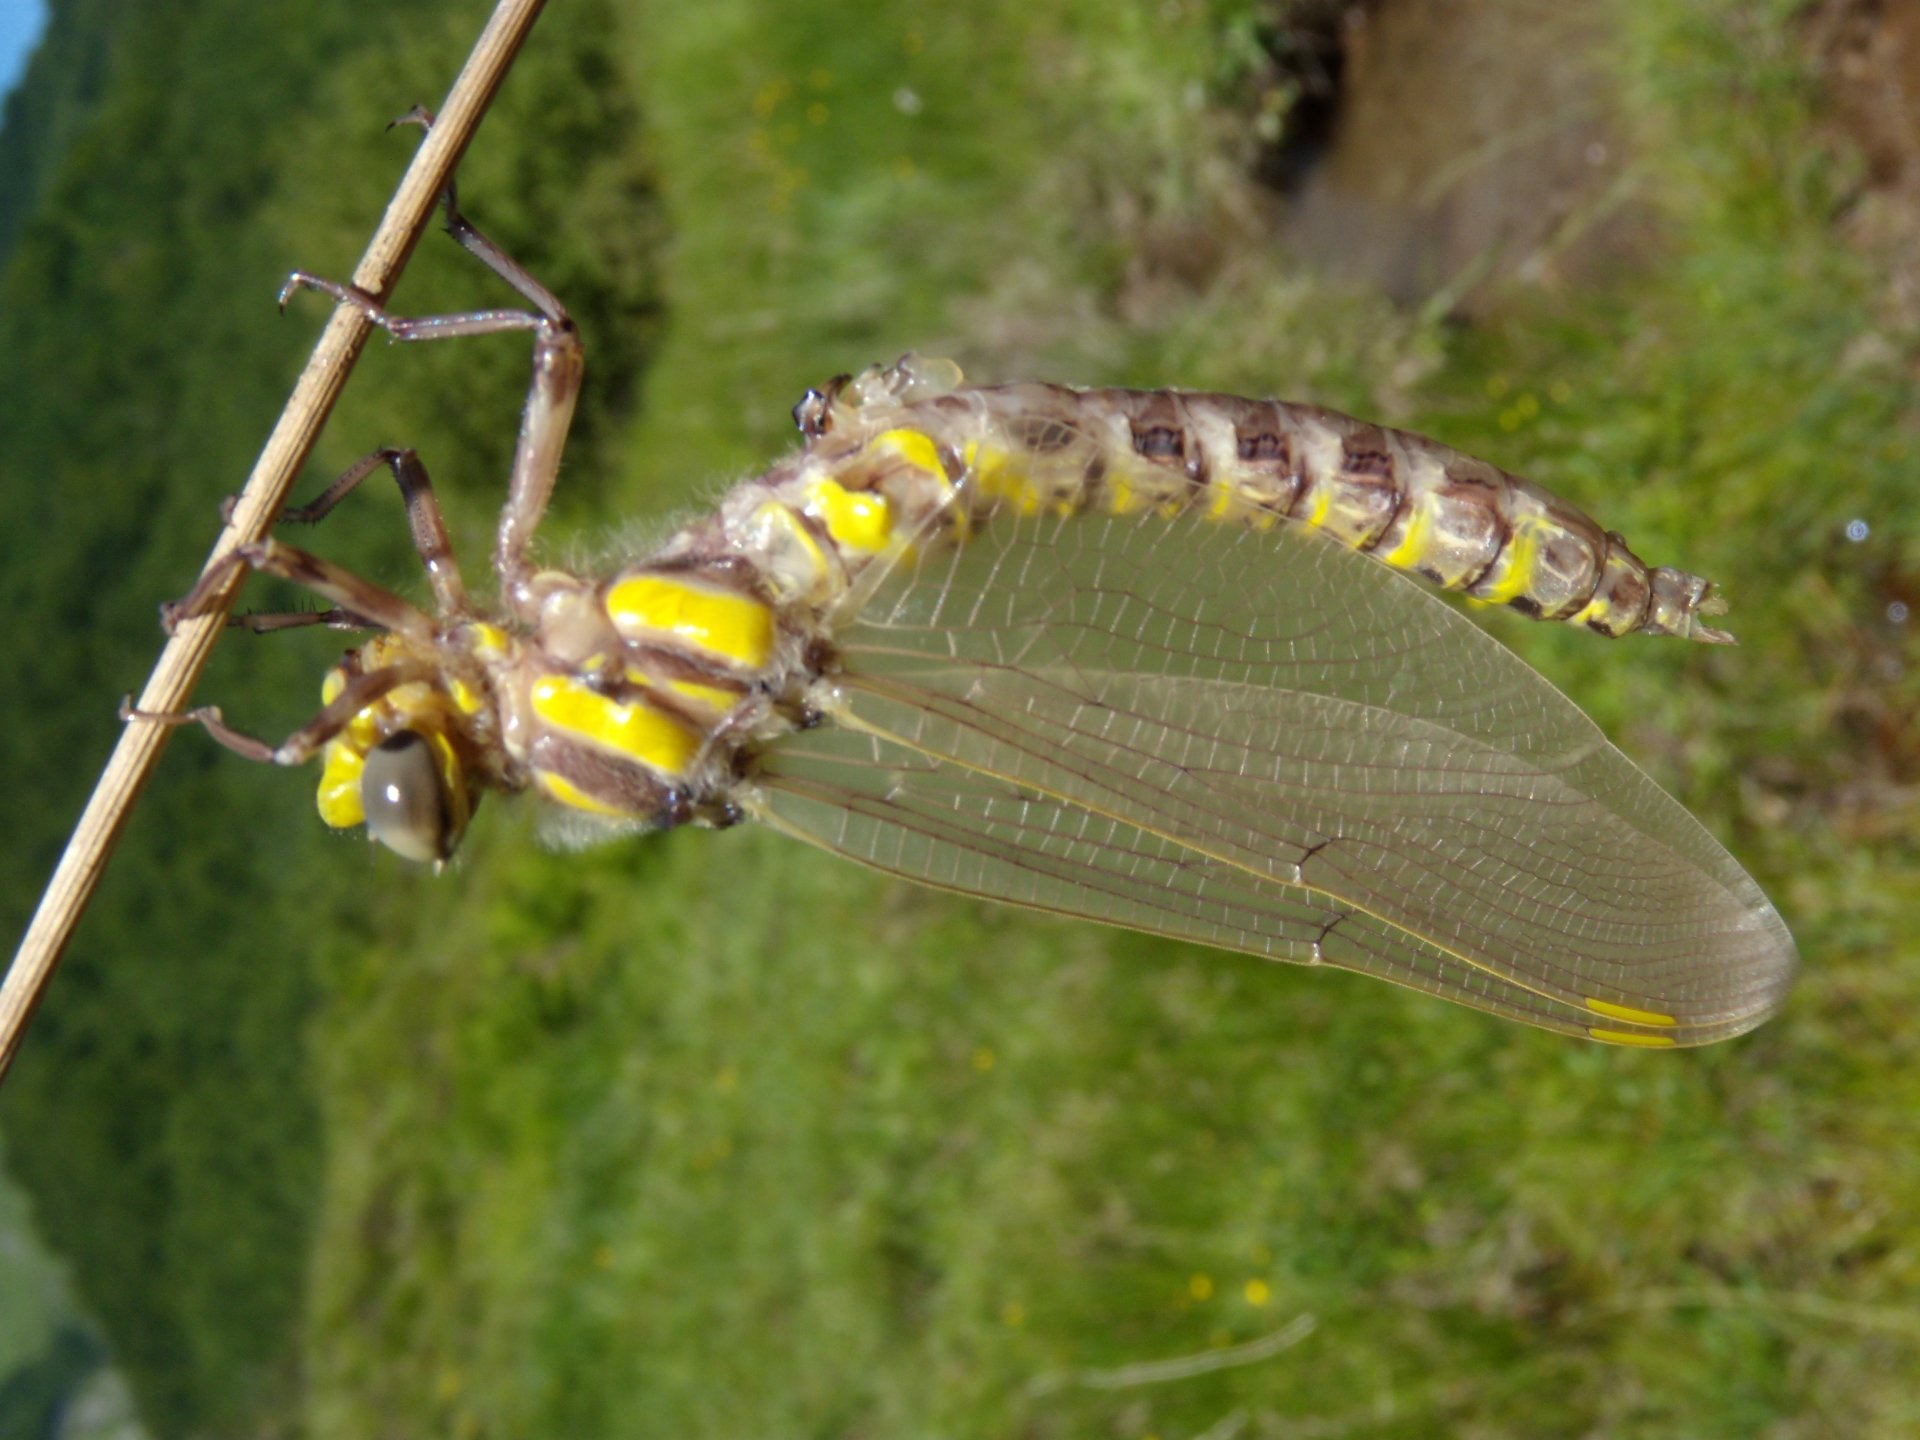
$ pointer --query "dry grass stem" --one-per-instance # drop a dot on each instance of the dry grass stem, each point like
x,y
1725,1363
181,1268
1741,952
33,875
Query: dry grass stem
x,y
259,505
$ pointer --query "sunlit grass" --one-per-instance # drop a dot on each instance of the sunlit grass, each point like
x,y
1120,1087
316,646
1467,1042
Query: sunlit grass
x,y
780,1147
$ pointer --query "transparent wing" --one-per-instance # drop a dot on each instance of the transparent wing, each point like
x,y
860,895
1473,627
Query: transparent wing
x,y
1303,754
924,820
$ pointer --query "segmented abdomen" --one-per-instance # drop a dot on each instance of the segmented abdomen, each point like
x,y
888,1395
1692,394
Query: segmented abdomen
x,y
633,674
1411,502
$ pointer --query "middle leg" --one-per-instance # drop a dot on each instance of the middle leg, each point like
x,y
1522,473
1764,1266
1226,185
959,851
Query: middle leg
x,y
424,521
558,366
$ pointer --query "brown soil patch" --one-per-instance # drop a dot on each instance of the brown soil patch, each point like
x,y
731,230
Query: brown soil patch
x,y
1868,57
1470,149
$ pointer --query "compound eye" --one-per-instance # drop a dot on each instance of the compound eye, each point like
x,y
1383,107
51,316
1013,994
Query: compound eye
x,y
405,799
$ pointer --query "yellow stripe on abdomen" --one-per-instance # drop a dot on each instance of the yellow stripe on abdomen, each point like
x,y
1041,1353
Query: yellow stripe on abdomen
x,y
1414,544
1512,575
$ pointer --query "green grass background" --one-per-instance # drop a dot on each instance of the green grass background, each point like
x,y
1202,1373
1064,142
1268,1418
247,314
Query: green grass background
x,y
709,1135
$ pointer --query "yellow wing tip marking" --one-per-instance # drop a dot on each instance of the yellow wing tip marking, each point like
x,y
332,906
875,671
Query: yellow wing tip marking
x,y
1628,1013
1631,1038
1633,1016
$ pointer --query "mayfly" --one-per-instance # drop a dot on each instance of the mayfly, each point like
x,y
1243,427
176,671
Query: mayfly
x,y
1106,653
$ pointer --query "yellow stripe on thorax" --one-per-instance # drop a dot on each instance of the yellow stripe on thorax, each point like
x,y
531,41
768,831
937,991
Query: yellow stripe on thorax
x,y
716,700
468,699
724,624
557,787
713,697
634,730
487,642
918,452
794,563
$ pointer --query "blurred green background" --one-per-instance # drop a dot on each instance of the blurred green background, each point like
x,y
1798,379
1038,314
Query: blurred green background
x,y
710,1135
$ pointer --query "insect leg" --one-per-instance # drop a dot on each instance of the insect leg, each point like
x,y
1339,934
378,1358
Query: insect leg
x,y
414,327
558,364
266,622
557,367
299,747
424,520
361,599
548,414
483,249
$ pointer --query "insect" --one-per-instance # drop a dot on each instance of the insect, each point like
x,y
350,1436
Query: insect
x,y
1105,653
